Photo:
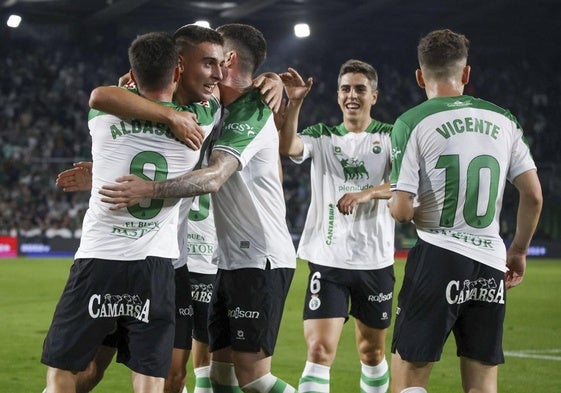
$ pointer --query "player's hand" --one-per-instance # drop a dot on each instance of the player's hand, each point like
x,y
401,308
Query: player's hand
x,y
280,115
296,88
128,191
516,266
78,178
185,127
270,86
350,200
126,80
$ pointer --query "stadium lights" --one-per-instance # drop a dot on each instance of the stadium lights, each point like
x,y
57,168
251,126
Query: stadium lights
x,y
14,21
301,30
202,23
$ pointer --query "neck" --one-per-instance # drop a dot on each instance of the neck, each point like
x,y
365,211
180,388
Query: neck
x,y
357,125
165,95
234,86
444,89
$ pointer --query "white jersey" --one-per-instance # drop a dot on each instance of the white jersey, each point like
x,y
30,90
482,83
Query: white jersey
x,y
344,162
455,154
249,208
198,242
149,150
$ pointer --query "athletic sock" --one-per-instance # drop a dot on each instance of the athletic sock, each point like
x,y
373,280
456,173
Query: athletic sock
x,y
202,380
374,379
268,383
414,389
185,390
223,378
315,378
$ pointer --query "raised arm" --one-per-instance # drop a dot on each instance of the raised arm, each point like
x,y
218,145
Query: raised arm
x,y
132,189
529,209
271,87
290,144
123,103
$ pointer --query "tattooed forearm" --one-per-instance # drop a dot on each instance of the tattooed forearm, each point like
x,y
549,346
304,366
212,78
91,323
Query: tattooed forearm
x,y
202,181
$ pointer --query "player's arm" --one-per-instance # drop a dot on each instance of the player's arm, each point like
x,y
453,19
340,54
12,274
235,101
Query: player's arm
x,y
290,143
529,209
401,206
350,200
131,189
78,178
125,104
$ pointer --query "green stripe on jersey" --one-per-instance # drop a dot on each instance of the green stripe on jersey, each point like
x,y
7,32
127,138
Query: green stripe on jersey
x,y
322,129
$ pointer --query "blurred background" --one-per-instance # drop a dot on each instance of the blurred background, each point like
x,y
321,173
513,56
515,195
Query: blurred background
x,y
61,50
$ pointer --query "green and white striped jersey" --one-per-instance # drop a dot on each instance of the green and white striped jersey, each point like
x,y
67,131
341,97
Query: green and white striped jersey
x,y
455,154
249,208
149,150
344,162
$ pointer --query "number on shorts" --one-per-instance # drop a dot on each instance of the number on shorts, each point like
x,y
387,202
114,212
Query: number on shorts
x,y
160,169
315,284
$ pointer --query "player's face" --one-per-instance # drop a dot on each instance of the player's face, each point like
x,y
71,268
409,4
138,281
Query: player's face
x,y
202,70
356,96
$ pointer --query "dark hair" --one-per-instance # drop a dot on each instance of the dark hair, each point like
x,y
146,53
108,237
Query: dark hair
x,y
359,67
248,42
153,57
191,35
441,52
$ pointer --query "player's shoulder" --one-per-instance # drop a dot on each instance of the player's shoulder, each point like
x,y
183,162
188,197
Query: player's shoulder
x,y
379,127
321,129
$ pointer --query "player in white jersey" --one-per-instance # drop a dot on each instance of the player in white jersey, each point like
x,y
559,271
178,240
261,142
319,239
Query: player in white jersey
x,y
201,56
122,277
256,256
454,154
351,251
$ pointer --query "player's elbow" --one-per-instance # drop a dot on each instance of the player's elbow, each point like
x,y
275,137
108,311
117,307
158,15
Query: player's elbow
x,y
96,98
401,216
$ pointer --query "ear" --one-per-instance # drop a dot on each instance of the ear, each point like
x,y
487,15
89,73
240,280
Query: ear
x,y
231,57
465,74
177,73
133,78
419,78
181,64
374,97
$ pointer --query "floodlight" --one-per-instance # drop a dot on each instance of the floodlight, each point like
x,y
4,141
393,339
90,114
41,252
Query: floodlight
x,y
301,30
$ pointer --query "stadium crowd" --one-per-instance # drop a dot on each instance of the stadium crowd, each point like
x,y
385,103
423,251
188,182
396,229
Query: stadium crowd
x,y
44,92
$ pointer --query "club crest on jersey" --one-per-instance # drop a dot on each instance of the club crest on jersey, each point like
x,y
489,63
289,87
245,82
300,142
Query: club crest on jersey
x,y
376,148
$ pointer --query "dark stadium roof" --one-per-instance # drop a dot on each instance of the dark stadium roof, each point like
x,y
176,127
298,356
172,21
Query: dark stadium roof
x,y
500,22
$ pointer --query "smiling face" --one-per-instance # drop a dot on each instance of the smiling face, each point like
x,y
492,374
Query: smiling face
x,y
202,70
356,96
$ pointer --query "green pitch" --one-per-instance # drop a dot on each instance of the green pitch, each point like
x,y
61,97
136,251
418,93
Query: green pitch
x,y
29,290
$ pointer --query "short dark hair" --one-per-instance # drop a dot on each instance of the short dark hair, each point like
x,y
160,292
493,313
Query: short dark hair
x,y
153,57
191,35
359,67
441,52
248,42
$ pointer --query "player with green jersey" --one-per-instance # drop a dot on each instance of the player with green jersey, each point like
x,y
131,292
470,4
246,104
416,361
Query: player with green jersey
x,y
452,156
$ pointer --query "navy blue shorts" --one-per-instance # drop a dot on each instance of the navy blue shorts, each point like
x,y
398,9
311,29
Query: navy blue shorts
x,y
246,309
370,293
201,293
447,292
102,295
183,309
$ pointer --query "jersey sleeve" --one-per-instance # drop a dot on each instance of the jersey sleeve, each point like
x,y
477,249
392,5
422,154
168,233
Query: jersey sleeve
x,y
405,163
521,159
